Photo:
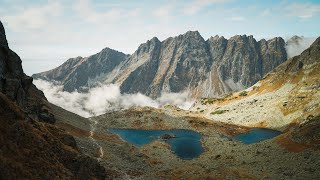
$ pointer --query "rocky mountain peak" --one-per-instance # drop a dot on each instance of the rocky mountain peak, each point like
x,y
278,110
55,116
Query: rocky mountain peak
x,y
106,50
194,34
313,51
149,46
191,36
243,38
3,39
277,40
237,37
74,60
294,40
276,43
154,39
216,38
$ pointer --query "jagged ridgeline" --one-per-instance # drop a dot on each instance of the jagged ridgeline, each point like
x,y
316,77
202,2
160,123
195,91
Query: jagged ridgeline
x,y
186,62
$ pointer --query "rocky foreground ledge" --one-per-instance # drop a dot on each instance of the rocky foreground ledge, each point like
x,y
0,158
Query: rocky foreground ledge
x,y
31,146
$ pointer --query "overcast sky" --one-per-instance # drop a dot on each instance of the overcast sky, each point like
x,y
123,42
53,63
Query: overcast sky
x,y
46,33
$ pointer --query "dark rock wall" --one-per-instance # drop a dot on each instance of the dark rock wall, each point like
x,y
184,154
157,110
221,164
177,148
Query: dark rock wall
x,y
30,149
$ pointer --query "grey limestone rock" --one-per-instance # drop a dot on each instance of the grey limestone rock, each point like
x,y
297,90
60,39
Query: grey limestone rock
x,y
186,62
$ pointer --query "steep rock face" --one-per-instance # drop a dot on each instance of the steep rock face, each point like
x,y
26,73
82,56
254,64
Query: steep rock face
x,y
31,149
307,57
272,51
185,63
79,73
17,86
3,39
204,68
145,63
171,66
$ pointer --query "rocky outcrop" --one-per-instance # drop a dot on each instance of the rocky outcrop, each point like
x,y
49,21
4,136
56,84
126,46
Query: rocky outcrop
x,y
31,149
18,86
187,62
167,136
307,58
3,39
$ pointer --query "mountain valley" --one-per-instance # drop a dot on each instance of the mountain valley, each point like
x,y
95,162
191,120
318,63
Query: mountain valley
x,y
286,99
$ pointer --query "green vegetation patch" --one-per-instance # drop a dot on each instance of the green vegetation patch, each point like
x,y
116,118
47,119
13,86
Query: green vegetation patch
x,y
205,101
243,93
218,112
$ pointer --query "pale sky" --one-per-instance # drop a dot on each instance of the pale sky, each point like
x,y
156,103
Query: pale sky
x,y
46,33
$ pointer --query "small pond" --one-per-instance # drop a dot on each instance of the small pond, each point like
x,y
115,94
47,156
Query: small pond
x,y
257,135
184,143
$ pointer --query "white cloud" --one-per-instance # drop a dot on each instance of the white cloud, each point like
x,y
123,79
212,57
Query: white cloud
x,y
303,11
34,17
237,18
87,12
266,12
196,5
295,48
164,12
106,98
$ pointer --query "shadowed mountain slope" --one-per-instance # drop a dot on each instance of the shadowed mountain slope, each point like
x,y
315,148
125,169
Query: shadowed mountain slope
x,y
31,147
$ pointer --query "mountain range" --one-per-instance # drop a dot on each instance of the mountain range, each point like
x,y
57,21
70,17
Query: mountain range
x,y
187,62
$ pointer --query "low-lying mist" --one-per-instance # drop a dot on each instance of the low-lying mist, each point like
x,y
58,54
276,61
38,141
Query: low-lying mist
x,y
106,98
297,46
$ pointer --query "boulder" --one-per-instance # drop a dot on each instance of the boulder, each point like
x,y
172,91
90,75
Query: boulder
x,y
167,136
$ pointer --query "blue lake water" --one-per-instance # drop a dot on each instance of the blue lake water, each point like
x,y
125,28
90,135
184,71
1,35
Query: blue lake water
x,y
186,144
257,135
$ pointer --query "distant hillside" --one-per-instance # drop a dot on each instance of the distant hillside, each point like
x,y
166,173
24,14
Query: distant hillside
x,y
285,97
77,73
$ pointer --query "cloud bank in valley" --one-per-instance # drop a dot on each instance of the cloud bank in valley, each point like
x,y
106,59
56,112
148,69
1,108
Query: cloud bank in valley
x,y
296,45
106,98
